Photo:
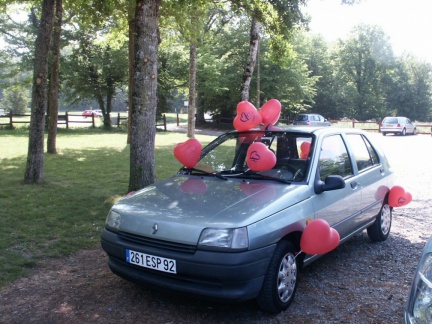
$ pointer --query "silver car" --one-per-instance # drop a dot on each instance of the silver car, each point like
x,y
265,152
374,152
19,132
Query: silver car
x,y
311,120
418,309
397,125
229,230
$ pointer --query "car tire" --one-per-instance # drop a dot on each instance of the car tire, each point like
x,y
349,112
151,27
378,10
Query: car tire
x,y
384,133
380,229
403,133
415,131
281,280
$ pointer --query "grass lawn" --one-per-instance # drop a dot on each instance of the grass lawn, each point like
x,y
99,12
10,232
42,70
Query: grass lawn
x,y
67,212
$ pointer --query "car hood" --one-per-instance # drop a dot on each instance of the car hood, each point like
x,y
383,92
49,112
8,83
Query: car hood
x,y
182,206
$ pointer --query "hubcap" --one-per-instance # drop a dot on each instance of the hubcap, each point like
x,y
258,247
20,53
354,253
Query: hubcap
x,y
287,277
385,219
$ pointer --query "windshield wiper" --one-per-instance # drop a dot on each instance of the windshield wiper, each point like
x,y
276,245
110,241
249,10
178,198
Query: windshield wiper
x,y
202,172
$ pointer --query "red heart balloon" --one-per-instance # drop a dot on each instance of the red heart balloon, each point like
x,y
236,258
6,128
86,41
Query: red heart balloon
x,y
193,186
270,112
259,157
398,197
319,238
188,153
304,150
247,116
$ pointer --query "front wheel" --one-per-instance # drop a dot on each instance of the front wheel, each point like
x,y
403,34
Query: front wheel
x,y
380,229
280,282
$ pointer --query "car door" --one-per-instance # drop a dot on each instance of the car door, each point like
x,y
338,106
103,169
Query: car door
x,y
409,126
370,176
337,207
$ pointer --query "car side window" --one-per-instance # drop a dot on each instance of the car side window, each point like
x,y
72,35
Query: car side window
x,y
364,154
334,159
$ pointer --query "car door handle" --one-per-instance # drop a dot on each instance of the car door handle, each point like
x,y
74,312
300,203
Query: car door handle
x,y
354,184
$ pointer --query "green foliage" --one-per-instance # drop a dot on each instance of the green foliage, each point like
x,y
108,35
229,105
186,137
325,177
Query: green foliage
x,y
16,99
95,71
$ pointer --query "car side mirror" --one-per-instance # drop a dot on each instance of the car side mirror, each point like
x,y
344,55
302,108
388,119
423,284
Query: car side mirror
x,y
331,182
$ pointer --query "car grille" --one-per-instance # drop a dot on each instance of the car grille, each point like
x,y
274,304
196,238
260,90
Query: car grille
x,y
165,245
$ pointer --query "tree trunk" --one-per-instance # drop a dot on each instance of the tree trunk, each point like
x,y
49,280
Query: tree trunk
x,y
192,85
131,20
144,103
109,98
35,157
55,80
250,64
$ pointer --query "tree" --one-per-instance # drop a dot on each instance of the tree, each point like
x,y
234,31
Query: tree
x,y
35,158
365,59
95,71
143,130
252,58
15,99
54,84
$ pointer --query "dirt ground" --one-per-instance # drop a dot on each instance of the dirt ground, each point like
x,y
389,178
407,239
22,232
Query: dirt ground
x,y
359,282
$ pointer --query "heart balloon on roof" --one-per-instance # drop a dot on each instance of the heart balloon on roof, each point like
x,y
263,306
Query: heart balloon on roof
x,y
270,112
247,116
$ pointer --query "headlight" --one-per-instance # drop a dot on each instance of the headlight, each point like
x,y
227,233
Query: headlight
x,y
226,238
420,303
113,220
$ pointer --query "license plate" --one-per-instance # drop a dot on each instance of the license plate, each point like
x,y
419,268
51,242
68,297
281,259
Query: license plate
x,y
151,261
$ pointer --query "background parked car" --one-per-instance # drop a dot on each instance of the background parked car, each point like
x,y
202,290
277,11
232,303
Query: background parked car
x,y
96,112
311,120
397,125
231,226
418,308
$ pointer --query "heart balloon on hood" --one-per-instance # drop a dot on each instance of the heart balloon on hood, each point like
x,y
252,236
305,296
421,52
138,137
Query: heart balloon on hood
x,y
259,157
319,238
188,153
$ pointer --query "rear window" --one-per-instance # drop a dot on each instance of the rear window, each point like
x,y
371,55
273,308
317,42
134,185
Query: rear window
x,y
390,120
301,117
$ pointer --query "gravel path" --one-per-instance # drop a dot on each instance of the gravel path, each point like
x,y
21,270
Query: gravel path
x,y
359,282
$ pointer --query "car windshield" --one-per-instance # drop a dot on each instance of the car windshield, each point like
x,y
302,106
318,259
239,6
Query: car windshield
x,y
227,156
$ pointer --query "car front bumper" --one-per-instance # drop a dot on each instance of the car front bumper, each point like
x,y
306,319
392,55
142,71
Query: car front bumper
x,y
214,275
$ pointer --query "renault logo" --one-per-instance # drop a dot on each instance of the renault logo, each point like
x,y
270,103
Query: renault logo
x,y
155,228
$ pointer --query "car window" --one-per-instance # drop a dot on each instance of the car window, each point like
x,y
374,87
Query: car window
x,y
301,118
390,120
334,159
364,154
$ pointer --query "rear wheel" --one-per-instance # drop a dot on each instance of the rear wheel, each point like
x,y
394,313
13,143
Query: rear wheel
x,y
403,133
280,282
380,229
384,133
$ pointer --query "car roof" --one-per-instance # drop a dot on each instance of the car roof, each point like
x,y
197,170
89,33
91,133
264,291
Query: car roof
x,y
317,130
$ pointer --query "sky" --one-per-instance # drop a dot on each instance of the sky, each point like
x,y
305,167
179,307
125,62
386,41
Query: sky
x,y
407,23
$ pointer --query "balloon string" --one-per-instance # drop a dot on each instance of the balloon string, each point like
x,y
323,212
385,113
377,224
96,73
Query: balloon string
x,y
298,253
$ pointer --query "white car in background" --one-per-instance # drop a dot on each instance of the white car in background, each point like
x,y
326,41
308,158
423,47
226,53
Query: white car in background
x,y
397,125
